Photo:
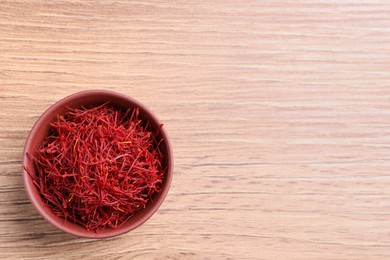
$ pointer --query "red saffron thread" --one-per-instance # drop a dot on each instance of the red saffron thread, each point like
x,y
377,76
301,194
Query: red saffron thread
x,y
99,166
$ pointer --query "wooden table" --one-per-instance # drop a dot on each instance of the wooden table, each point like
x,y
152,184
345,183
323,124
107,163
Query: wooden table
x,y
279,114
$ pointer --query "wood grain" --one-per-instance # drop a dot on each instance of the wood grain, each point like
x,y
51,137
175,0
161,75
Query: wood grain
x,y
279,114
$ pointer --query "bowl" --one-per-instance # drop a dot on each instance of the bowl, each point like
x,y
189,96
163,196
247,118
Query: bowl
x,y
41,130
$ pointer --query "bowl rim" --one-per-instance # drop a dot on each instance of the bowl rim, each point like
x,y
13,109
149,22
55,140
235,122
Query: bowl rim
x,y
30,187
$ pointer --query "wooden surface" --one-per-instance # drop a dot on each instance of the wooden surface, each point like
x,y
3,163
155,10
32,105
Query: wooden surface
x,y
279,114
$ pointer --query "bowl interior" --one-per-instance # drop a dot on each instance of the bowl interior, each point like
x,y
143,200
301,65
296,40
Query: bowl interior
x,y
41,130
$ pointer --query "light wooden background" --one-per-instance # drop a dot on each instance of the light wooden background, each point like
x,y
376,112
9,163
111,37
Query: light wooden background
x,y
279,114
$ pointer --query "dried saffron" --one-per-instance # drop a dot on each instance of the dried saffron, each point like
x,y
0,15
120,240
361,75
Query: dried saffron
x,y
99,166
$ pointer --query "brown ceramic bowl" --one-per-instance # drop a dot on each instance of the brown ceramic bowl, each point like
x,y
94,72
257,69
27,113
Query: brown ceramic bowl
x,y
41,130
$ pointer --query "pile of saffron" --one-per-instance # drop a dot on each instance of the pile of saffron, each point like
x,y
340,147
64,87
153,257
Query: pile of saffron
x,y
99,166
